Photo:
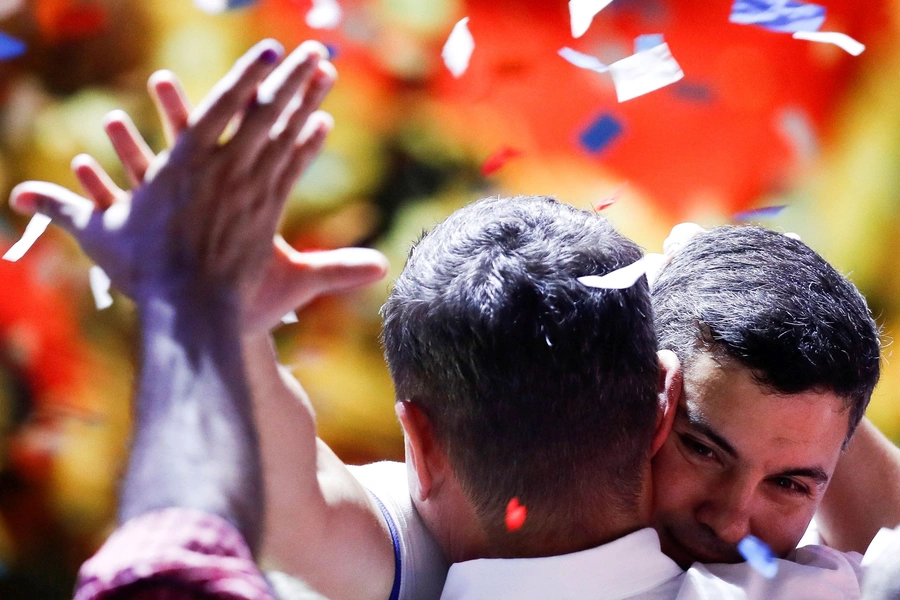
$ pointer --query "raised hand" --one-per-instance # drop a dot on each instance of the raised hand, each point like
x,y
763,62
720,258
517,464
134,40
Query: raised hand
x,y
290,278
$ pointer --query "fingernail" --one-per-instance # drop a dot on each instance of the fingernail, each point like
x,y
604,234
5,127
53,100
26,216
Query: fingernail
x,y
269,56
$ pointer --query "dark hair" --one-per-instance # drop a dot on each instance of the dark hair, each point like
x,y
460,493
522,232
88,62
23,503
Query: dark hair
x,y
774,305
537,386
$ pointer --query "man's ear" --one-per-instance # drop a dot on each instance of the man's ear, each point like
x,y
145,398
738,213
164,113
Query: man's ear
x,y
668,393
422,451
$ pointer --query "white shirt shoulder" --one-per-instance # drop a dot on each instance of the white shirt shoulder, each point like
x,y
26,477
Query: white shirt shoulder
x,y
423,567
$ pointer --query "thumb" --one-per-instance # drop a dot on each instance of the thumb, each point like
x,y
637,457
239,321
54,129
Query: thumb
x,y
67,209
331,271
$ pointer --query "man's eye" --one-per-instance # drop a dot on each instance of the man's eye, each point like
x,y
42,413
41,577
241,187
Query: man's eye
x,y
697,448
789,485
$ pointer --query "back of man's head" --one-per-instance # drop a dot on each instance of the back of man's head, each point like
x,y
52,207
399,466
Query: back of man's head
x,y
771,303
536,386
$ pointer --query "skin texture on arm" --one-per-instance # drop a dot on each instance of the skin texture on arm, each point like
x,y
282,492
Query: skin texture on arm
x,y
321,525
864,494
194,443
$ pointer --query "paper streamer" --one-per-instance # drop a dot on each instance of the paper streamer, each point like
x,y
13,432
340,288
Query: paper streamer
x,y
766,212
647,41
759,556
36,226
619,279
215,7
583,61
778,15
644,72
100,287
841,40
582,13
498,159
458,48
324,14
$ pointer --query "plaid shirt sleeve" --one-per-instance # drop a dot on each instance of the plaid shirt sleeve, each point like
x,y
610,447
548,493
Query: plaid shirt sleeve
x,y
173,554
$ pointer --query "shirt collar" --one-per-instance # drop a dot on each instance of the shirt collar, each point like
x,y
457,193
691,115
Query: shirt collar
x,y
620,569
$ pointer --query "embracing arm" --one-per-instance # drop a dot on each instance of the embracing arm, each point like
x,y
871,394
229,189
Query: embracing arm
x,y
864,494
195,442
343,548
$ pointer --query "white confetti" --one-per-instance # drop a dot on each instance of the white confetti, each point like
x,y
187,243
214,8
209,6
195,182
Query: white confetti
x,y
324,14
289,318
842,40
100,287
644,72
584,61
36,226
582,13
458,49
620,278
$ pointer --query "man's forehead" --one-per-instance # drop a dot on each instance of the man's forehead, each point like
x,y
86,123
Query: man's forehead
x,y
723,400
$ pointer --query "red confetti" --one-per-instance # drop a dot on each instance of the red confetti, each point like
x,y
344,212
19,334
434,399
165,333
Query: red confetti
x,y
515,514
612,199
499,158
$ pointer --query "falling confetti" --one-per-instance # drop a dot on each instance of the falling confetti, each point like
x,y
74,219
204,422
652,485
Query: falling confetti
x,y
324,14
611,199
693,92
515,515
458,49
495,161
33,231
842,40
289,318
583,61
647,41
215,7
10,47
783,16
619,279
582,13
765,212
600,133
100,287
798,130
644,72
758,554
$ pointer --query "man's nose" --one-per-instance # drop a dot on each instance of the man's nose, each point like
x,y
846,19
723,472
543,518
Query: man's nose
x,y
728,513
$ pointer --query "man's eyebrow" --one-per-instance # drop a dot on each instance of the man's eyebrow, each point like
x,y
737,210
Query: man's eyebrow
x,y
699,424
817,474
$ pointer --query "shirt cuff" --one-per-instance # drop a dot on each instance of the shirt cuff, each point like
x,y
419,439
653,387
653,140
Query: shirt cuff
x,y
187,550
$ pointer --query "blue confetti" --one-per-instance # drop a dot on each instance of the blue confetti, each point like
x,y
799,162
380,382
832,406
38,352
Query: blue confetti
x,y
647,41
765,212
693,92
600,133
758,554
10,47
333,51
784,16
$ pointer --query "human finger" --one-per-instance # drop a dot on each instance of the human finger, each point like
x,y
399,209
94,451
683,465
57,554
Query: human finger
x,y
332,271
132,150
296,115
171,101
97,184
272,98
66,208
232,93
307,146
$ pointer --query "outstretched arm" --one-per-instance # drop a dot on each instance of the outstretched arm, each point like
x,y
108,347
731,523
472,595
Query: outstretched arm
x,y
864,494
342,548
